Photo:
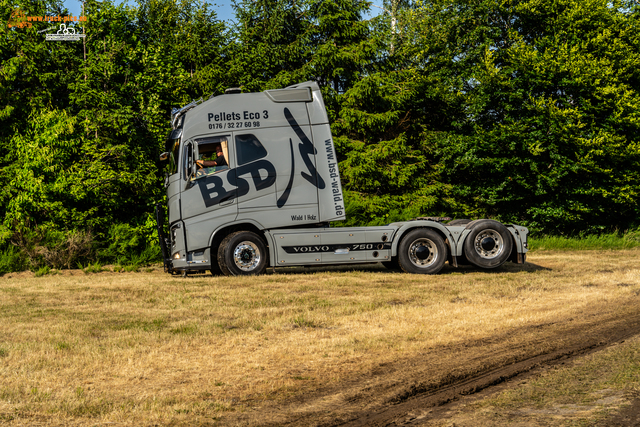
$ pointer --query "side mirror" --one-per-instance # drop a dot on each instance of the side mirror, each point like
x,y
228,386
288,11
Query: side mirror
x,y
164,156
176,133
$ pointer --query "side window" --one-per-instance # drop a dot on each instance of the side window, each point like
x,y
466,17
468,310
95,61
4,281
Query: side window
x,y
248,149
188,156
212,155
173,156
172,145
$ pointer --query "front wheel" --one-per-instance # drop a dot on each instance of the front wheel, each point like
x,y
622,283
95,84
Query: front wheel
x,y
489,243
242,253
422,251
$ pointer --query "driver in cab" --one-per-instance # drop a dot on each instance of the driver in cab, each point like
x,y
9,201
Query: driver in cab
x,y
219,160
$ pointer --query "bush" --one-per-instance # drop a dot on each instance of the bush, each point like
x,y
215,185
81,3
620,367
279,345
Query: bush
x,y
128,245
64,248
12,259
38,247
43,271
632,236
91,268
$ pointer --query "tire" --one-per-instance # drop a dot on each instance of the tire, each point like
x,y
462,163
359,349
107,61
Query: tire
x,y
489,243
422,251
459,222
242,253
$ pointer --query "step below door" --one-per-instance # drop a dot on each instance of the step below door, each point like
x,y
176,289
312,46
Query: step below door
x,y
298,248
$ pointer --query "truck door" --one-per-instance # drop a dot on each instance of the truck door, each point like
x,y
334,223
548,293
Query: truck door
x,y
278,167
209,196
255,175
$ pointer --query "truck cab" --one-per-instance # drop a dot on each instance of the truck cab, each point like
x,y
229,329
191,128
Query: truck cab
x,y
253,181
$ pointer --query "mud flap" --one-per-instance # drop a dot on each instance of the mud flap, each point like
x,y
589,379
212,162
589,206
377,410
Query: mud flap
x,y
453,260
517,257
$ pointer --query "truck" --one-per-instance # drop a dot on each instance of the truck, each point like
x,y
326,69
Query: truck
x,y
253,182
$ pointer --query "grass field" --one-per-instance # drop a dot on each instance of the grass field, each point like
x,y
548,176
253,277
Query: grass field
x,y
148,348
610,241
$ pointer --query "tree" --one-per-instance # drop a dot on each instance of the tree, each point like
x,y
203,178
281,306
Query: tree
x,y
84,124
551,90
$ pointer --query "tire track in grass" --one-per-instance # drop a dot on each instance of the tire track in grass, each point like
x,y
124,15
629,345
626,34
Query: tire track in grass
x,y
421,399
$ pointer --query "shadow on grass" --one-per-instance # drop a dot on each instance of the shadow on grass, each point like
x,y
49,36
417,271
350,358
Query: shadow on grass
x,y
507,267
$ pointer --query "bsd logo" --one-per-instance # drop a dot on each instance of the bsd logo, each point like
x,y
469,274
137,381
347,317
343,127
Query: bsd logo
x,y
213,190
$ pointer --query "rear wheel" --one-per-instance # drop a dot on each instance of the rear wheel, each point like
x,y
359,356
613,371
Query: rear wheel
x,y
489,243
242,253
422,251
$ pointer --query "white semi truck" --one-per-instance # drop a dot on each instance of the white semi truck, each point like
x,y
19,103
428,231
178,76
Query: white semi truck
x,y
252,181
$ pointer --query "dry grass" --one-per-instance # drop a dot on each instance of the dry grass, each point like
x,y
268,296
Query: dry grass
x,y
148,348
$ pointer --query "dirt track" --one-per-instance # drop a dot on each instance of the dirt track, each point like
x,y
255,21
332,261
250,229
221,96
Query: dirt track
x,y
414,407
418,390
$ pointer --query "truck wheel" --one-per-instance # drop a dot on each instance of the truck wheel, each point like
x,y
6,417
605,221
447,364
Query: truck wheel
x,y
459,222
242,253
422,251
488,245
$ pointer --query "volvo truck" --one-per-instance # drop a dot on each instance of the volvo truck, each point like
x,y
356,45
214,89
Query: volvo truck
x,y
252,182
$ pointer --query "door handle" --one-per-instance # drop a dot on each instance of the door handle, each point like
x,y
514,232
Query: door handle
x,y
228,200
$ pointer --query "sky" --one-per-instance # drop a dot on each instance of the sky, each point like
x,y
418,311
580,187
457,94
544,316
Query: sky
x,y
224,9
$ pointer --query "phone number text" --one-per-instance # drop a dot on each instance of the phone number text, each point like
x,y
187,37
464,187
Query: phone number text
x,y
234,125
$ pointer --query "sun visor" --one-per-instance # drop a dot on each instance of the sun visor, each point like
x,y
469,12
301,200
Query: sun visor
x,y
290,95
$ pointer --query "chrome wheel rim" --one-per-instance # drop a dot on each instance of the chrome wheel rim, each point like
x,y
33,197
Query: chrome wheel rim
x,y
488,244
423,252
246,256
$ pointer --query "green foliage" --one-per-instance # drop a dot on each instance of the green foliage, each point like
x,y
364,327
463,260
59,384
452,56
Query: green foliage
x,y
43,271
48,247
96,267
522,111
284,42
551,95
128,245
606,241
386,134
83,122
12,259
